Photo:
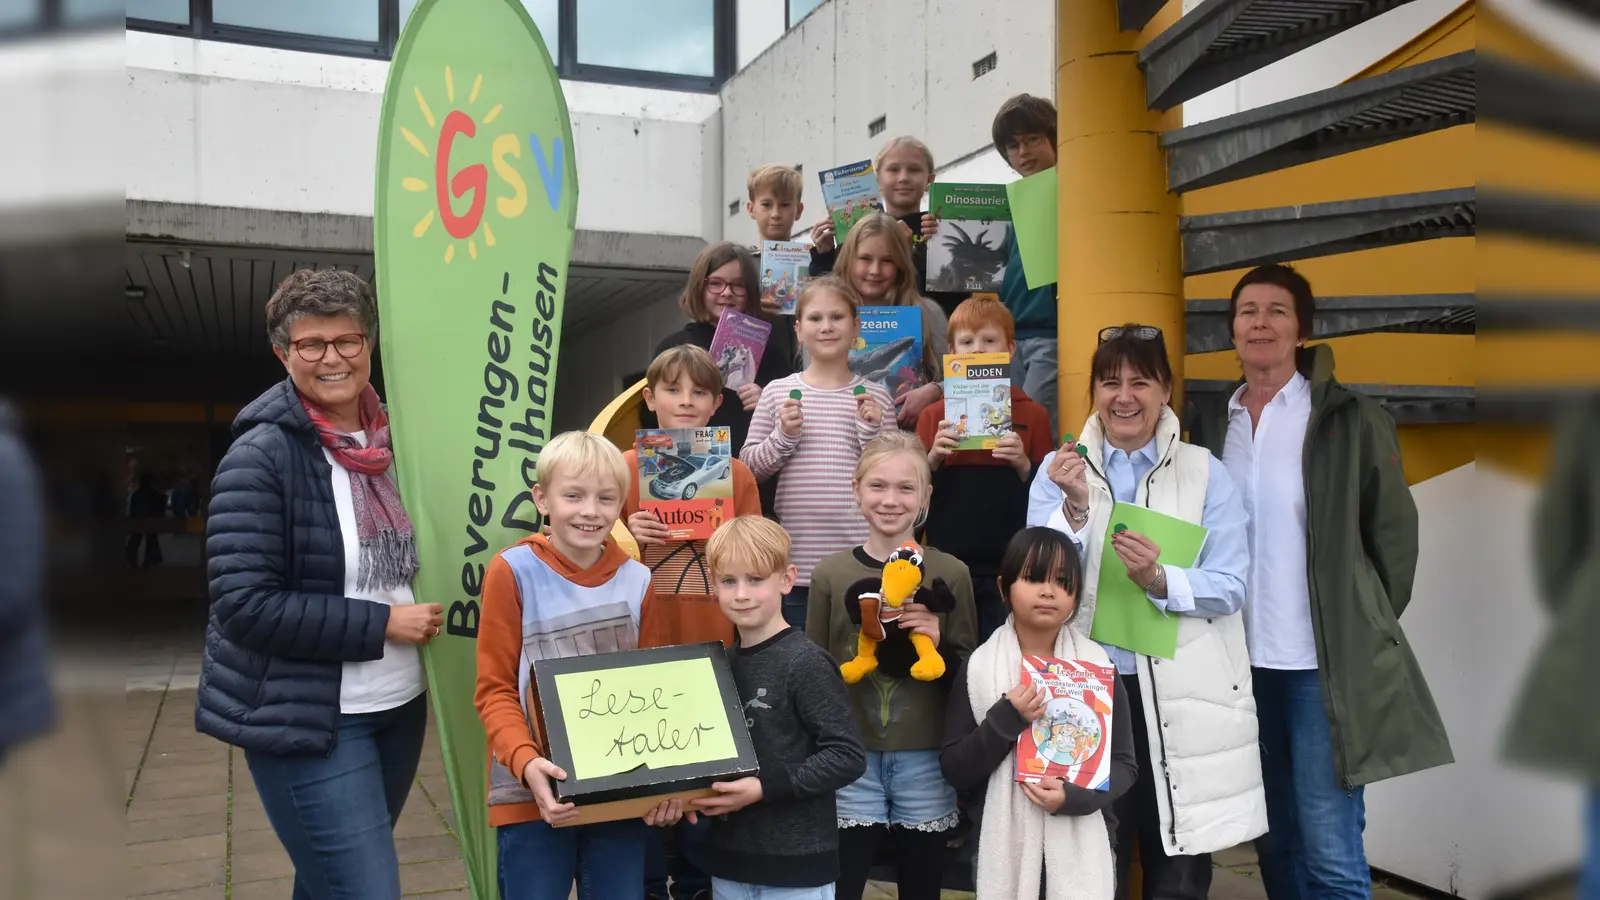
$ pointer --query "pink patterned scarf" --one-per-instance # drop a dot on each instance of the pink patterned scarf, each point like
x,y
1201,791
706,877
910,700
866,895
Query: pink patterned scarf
x,y
388,547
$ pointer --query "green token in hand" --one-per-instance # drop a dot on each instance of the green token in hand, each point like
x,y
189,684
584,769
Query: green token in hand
x,y
1081,450
1120,528
794,394
860,389
1065,438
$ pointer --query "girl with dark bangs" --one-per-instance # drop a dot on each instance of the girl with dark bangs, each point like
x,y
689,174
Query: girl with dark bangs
x,y
1051,840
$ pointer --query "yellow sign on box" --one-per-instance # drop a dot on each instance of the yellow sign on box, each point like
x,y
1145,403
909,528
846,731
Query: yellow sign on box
x,y
656,715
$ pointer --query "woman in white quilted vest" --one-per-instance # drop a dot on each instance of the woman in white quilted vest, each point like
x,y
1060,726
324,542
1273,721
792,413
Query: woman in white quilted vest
x,y
1193,715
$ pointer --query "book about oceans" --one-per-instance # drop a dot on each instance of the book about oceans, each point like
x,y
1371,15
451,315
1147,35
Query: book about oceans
x,y
686,479
851,194
977,398
969,251
889,350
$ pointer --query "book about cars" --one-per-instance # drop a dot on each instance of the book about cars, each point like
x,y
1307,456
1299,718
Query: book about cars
x,y
977,398
968,252
737,347
851,194
889,349
785,269
686,479
1072,740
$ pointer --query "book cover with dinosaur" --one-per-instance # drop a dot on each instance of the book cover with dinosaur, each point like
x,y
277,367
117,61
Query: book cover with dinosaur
x,y
977,398
1072,740
889,349
851,194
969,251
686,479
737,347
785,269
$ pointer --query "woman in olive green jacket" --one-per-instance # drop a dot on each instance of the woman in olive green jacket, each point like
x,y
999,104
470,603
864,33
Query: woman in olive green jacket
x,y
1340,698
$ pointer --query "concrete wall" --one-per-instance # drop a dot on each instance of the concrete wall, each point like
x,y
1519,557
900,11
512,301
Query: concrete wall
x,y
595,363
809,98
206,113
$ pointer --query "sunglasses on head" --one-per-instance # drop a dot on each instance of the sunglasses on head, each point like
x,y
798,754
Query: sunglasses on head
x,y
1137,332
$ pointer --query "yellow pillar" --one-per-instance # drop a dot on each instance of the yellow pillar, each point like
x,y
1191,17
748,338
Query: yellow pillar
x,y
1119,255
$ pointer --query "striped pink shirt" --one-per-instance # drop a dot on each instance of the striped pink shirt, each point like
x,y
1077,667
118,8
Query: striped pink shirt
x,y
814,502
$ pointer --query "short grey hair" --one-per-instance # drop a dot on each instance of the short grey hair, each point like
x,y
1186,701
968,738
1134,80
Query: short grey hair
x,y
318,293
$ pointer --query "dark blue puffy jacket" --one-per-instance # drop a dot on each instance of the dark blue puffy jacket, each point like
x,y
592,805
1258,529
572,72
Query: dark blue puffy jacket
x,y
281,627
26,707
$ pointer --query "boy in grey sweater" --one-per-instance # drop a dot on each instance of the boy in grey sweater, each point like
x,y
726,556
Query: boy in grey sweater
x,y
777,830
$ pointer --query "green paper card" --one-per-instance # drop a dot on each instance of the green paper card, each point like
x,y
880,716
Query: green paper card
x,y
1033,223
1123,616
658,715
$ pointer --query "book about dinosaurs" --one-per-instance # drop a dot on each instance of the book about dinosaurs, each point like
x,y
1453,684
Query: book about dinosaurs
x,y
968,253
851,194
785,269
889,349
977,398
1072,740
686,479
737,347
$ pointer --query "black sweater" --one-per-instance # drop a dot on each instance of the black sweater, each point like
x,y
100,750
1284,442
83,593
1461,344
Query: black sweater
x,y
948,301
808,748
971,752
777,361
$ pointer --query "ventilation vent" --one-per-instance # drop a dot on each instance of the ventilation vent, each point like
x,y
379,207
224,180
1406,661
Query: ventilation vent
x,y
733,208
876,126
986,65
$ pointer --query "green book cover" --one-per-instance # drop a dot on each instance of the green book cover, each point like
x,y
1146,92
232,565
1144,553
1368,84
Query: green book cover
x,y
1123,616
969,251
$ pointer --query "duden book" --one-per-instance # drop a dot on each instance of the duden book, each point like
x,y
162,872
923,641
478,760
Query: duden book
x,y
686,479
1072,740
968,253
737,347
851,194
889,349
785,269
977,398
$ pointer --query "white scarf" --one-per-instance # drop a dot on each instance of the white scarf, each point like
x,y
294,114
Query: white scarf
x,y
1019,841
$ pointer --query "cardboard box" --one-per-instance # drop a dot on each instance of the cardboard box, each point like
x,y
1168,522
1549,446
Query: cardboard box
x,y
637,727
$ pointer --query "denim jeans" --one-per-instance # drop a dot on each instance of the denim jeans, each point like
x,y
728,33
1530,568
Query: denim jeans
x,y
733,890
538,862
335,815
794,606
1313,844
1033,368
683,865
1589,888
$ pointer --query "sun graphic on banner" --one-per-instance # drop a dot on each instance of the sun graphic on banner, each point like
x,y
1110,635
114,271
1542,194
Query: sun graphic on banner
x,y
471,179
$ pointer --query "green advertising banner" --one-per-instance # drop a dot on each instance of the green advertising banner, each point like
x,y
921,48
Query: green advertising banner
x,y
477,193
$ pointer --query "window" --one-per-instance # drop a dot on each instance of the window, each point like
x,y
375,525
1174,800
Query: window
x,y
799,9
351,21
18,16
173,11
876,126
673,44
85,12
545,13
673,36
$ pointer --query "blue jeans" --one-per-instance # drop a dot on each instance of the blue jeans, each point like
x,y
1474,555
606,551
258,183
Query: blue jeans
x,y
1589,888
900,787
1313,844
683,866
335,815
538,862
733,890
794,606
1033,368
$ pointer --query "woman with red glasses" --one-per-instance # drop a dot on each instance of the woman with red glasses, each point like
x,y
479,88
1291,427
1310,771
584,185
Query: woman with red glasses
x,y
312,664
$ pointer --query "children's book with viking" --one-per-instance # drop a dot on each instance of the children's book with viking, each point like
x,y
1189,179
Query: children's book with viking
x,y
969,251
851,194
889,348
737,347
977,398
686,479
785,269
1072,740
